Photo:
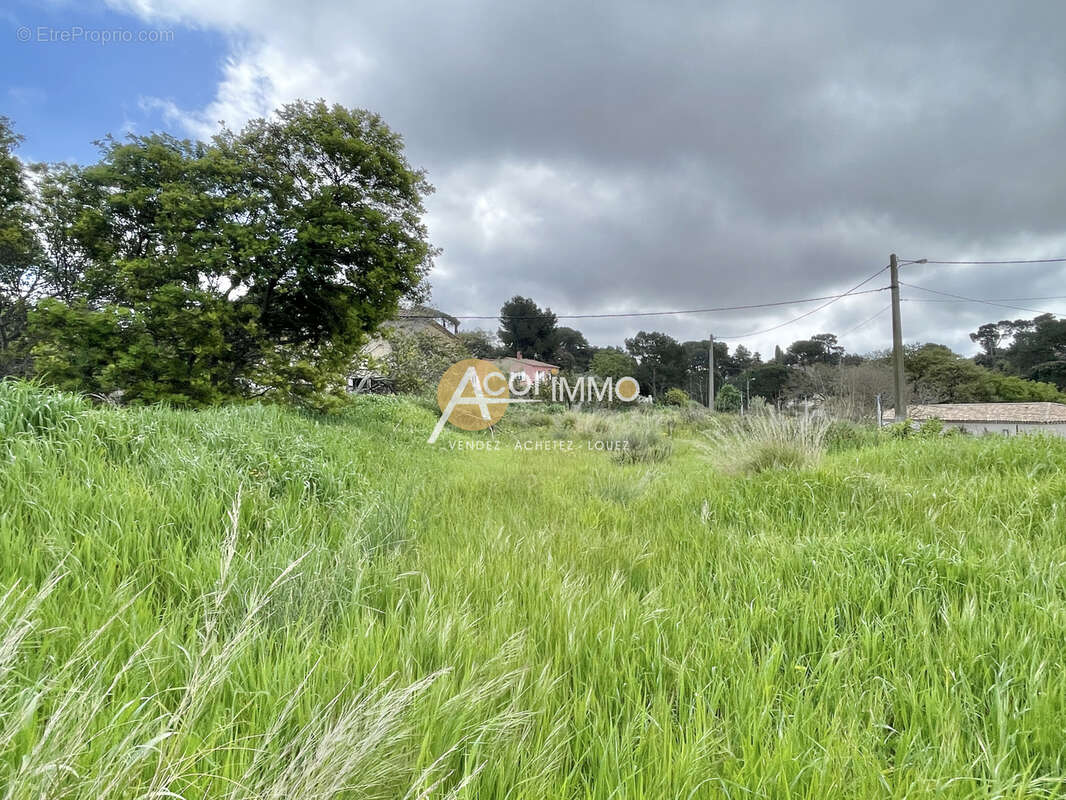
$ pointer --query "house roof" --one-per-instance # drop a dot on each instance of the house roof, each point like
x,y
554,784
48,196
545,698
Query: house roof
x,y
1039,413
529,362
419,311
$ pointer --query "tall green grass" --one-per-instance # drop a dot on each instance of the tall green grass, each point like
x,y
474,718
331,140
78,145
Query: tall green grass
x,y
768,440
256,603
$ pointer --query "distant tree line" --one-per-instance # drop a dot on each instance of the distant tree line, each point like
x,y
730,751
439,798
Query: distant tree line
x,y
1030,368
1034,349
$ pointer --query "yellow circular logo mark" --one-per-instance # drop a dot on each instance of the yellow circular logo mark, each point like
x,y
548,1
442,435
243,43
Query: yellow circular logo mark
x,y
627,395
472,394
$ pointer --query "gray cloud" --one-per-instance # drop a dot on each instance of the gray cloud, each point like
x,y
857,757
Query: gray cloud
x,y
613,156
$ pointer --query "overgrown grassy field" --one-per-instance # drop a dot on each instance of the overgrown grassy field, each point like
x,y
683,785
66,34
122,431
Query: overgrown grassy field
x,y
253,603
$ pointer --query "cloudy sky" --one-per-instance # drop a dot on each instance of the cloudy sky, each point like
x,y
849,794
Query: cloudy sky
x,y
623,156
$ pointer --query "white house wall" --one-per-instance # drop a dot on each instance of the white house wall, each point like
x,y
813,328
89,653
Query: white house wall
x,y
1009,428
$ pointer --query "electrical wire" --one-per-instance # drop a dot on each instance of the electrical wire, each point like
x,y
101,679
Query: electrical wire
x,y
906,261
832,298
852,292
994,300
866,321
978,300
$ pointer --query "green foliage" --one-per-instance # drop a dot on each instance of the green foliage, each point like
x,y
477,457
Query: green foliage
x,y
19,253
842,435
900,430
254,266
1037,348
819,349
768,381
930,428
572,351
26,408
676,397
612,362
528,329
481,344
661,361
418,357
941,376
728,399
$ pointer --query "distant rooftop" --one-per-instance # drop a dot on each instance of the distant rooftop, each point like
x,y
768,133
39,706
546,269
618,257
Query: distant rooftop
x,y
1040,413
532,362
426,312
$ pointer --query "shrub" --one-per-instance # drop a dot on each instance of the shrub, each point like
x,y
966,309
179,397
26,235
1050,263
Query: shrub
x,y
729,399
844,434
899,430
676,397
931,428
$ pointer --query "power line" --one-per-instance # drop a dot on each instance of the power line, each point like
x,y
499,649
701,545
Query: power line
x,y
852,292
994,300
866,321
832,298
1001,261
978,300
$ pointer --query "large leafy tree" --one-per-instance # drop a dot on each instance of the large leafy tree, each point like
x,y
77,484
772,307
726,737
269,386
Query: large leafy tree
x,y
19,253
254,265
821,348
1038,350
743,359
612,362
527,328
768,381
572,351
990,337
661,361
481,343
695,358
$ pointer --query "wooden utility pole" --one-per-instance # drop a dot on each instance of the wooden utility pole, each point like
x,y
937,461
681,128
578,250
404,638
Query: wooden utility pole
x,y
897,342
710,372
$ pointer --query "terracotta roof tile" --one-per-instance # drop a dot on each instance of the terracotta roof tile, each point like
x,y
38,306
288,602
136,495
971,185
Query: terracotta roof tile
x,y
1041,413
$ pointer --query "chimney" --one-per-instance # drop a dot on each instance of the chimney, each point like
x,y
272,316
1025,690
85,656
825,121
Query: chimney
x,y
519,354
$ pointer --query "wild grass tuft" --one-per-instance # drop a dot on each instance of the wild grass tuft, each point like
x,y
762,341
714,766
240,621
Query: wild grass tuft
x,y
29,409
759,442
644,441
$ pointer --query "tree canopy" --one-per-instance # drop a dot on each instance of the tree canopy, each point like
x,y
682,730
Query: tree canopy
x,y
941,376
660,360
253,265
527,328
19,251
612,362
